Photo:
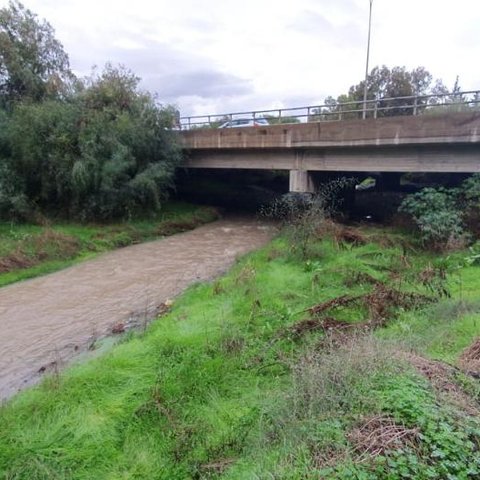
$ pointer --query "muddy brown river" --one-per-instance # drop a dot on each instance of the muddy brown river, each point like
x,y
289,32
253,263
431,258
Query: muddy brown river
x,y
47,321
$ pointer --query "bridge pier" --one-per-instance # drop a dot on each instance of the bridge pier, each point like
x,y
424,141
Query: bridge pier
x,y
388,182
301,181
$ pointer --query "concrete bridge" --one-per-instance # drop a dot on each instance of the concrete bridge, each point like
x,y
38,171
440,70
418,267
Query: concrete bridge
x,y
447,142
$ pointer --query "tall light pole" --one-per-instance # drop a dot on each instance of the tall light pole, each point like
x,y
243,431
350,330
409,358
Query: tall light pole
x,y
366,66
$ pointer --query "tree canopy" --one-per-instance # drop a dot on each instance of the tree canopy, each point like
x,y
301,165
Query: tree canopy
x,y
33,63
97,151
384,83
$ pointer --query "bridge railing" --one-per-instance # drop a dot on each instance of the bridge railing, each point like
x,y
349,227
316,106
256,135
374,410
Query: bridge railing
x,y
334,111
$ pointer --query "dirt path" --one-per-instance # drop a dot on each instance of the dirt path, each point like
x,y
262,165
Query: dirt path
x,y
46,321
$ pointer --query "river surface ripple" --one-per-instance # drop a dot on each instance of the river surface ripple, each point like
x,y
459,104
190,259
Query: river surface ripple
x,y
47,321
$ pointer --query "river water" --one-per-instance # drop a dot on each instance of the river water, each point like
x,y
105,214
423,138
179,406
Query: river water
x,y
47,321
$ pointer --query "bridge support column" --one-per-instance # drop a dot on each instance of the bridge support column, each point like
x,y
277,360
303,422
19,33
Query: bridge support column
x,y
301,181
389,182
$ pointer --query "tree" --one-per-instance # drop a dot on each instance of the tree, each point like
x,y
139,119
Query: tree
x,y
100,150
33,64
383,84
105,153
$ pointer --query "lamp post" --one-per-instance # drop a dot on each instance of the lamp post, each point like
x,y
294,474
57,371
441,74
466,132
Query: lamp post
x,y
366,66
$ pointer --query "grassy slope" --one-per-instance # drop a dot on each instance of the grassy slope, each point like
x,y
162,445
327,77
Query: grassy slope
x,y
30,250
221,388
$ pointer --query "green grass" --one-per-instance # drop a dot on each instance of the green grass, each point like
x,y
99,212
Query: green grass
x,y
220,387
28,251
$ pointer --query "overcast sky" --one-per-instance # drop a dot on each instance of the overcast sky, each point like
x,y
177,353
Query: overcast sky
x,y
215,56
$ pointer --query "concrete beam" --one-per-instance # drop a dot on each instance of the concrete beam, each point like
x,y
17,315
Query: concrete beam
x,y
429,158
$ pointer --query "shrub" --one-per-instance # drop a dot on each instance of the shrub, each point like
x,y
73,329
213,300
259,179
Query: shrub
x,y
304,215
103,153
470,197
471,190
437,216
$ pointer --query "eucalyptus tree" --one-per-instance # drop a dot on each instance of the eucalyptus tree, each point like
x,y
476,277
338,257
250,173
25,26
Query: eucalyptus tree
x,y
33,63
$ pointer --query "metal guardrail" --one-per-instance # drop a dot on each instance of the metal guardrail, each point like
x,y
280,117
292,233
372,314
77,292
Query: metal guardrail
x,y
382,107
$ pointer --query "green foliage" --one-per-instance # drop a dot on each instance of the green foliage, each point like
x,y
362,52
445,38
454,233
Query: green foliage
x,y
33,64
446,217
92,149
303,215
383,83
471,191
436,213
340,378
13,202
105,153
449,446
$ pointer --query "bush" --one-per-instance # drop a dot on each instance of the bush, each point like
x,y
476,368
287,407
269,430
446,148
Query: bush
x,y
437,216
103,153
471,190
304,215
13,202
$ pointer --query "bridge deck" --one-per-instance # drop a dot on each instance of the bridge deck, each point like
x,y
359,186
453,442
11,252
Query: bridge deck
x,y
426,143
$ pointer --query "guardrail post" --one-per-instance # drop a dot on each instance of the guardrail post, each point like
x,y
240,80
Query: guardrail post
x,y
279,115
415,104
375,111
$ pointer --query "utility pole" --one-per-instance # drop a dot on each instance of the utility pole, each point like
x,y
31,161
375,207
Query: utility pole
x,y
366,67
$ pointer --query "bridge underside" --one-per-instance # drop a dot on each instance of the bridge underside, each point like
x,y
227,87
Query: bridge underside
x,y
428,159
447,158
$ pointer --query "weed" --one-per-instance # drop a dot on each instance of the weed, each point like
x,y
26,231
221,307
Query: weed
x,y
470,357
340,378
305,218
378,435
382,302
31,250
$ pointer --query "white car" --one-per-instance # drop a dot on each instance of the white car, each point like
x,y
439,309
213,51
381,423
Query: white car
x,y
245,122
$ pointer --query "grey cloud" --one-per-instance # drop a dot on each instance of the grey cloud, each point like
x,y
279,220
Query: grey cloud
x,y
152,56
166,70
310,22
305,100
202,83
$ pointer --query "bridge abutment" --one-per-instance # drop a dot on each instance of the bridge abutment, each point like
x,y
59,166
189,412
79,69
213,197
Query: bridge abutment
x,y
301,181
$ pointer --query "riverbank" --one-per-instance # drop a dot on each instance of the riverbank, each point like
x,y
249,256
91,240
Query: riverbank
x,y
28,251
356,362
